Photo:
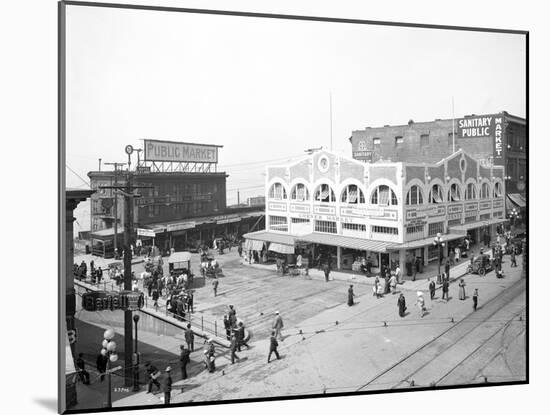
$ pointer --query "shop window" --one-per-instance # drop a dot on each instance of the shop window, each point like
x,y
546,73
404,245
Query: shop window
x,y
384,229
352,194
414,197
325,226
325,194
356,227
485,193
299,220
277,192
415,229
485,216
454,193
436,194
424,140
376,142
299,193
471,192
435,228
497,191
383,196
398,140
278,223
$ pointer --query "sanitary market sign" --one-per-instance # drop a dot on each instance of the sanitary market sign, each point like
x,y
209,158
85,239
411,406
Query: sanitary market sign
x,y
170,151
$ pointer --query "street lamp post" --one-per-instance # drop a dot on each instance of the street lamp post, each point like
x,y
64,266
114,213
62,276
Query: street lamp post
x,y
109,350
440,243
136,355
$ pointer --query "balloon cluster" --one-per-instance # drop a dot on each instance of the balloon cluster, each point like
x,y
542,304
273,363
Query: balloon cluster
x,y
109,346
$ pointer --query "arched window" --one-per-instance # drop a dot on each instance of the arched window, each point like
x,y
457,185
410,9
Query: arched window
x,y
485,193
414,197
299,193
497,191
352,194
324,193
454,193
436,194
471,192
383,196
277,192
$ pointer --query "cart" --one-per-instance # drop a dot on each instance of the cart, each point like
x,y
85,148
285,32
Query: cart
x,y
180,263
480,265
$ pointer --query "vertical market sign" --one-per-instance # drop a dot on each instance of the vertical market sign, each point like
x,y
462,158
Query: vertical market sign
x,y
490,126
178,152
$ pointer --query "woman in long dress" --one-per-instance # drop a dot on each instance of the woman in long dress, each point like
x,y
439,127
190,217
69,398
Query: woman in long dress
x,y
461,290
350,295
401,304
420,303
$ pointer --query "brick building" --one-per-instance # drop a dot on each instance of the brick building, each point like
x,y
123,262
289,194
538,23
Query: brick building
x,y
493,139
388,212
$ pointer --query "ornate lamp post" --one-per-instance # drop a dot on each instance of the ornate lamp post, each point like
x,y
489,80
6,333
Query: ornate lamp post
x,y
109,349
440,243
136,355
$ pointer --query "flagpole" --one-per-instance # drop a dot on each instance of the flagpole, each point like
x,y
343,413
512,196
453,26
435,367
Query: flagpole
x,y
453,105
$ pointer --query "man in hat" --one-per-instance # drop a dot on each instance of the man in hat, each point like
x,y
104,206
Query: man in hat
x,y
190,338
232,316
445,289
431,287
474,298
184,360
233,348
167,386
273,347
278,325
215,286
227,326
350,295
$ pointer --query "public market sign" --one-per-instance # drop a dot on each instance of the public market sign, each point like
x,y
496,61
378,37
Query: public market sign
x,y
170,151
104,300
485,126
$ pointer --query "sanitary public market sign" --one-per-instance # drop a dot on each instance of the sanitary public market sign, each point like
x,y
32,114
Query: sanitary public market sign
x,y
104,300
170,151
485,126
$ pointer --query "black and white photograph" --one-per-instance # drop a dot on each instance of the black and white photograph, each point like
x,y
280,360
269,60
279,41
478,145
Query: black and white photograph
x,y
262,206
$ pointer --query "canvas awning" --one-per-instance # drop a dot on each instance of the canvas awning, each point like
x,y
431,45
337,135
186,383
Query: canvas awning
x,y
265,236
473,225
179,257
281,248
517,199
359,244
428,241
255,245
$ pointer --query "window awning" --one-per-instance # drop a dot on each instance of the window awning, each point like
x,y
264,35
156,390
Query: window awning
x,y
281,238
359,244
281,248
428,241
473,225
517,199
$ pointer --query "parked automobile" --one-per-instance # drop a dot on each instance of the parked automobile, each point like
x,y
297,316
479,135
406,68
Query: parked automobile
x,y
480,265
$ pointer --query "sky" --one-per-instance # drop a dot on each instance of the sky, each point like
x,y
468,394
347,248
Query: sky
x,y
262,87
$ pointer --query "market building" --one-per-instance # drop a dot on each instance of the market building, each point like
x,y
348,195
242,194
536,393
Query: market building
x,y
493,139
182,200
387,212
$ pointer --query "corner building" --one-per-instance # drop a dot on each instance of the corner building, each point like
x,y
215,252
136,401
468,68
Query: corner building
x,y
388,212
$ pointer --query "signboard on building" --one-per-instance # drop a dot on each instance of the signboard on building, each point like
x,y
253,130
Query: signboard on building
x,y
299,208
180,226
146,232
103,300
171,151
365,155
485,126
277,206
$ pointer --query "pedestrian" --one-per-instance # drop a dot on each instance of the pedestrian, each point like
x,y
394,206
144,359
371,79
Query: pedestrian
x,y
513,259
184,361
227,326
240,334
474,298
99,275
431,287
167,386
278,325
445,290
190,297
156,296
393,284
190,338
82,372
350,295
457,254
401,304
447,267
232,314
180,313
420,303
273,347
299,261
398,274
153,375
233,347
215,286
387,284
414,267
461,290
92,266
326,270
240,250
101,365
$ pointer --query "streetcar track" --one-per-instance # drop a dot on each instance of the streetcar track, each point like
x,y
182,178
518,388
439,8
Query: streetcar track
x,y
431,341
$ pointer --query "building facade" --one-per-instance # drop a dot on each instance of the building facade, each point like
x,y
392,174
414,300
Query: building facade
x,y
493,139
388,212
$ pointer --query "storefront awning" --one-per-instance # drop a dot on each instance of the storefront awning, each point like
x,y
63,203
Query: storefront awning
x,y
281,248
280,238
474,225
517,199
253,245
358,244
428,241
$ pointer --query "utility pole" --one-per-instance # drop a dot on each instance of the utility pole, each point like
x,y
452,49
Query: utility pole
x,y
115,240
128,192
238,198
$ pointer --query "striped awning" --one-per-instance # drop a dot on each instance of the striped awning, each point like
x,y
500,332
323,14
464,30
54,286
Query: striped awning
x,y
429,241
359,244
281,248
517,199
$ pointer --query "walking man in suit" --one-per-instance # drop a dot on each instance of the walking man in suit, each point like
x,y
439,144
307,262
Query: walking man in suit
x,y
278,325
190,338
273,347
184,360
167,386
